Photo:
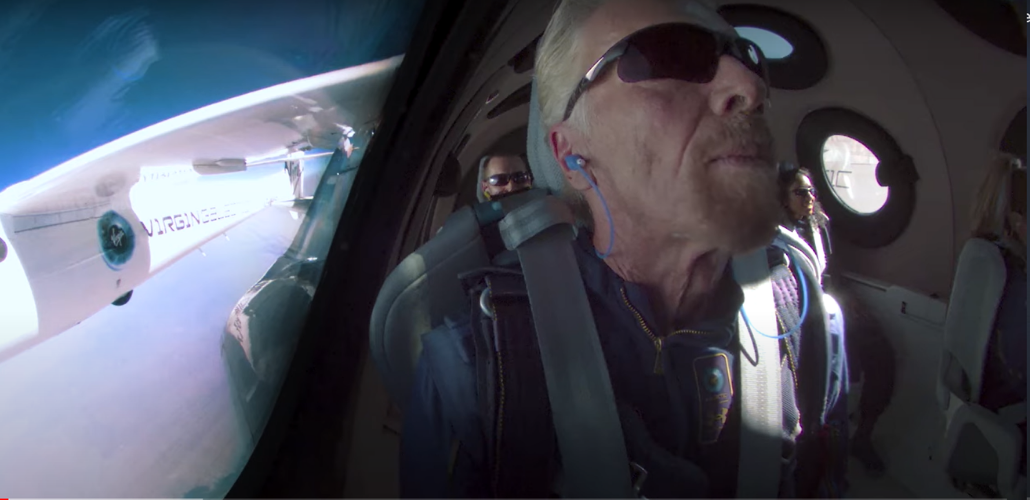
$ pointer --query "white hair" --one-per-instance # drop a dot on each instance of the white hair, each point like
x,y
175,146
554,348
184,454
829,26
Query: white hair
x,y
557,73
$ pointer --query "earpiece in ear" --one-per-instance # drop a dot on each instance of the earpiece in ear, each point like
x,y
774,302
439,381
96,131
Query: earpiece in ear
x,y
575,162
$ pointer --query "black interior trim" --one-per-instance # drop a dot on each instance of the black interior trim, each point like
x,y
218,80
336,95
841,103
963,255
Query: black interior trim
x,y
523,61
461,145
806,65
896,170
303,452
423,199
515,99
994,21
449,181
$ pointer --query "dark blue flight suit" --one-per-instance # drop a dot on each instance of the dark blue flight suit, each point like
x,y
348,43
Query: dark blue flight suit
x,y
675,393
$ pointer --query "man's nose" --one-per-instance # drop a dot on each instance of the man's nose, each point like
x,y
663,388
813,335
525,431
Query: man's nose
x,y
736,89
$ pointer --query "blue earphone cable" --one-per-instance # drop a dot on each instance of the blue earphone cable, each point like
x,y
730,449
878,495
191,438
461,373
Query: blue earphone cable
x,y
804,309
607,213
573,162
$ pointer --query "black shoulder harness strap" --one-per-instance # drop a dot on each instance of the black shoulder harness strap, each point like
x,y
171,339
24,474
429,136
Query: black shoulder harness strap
x,y
516,412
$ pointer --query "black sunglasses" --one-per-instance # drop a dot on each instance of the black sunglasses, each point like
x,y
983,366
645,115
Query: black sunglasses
x,y
504,179
677,51
804,191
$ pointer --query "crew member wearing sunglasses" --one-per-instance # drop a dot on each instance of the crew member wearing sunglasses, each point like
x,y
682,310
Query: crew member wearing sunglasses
x,y
802,212
653,114
501,176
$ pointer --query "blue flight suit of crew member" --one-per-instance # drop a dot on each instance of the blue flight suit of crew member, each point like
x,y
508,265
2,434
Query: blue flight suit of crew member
x,y
675,392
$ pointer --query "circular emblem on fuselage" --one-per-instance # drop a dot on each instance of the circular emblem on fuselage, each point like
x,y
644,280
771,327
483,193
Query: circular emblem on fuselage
x,y
753,54
714,380
117,240
3,250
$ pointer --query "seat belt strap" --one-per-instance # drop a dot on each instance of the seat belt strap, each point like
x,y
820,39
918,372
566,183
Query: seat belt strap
x,y
820,251
761,444
586,421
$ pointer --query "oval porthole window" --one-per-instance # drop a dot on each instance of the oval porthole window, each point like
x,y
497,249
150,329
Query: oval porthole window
x,y
796,55
850,170
868,183
773,45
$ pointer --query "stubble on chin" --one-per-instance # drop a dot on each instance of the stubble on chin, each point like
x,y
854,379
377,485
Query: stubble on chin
x,y
741,206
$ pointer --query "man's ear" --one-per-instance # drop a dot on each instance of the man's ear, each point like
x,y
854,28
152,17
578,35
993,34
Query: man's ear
x,y
561,147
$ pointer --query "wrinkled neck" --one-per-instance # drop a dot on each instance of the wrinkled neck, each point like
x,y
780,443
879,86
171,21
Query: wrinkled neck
x,y
679,276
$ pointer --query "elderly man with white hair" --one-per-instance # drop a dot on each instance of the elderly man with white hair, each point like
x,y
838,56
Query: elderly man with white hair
x,y
653,112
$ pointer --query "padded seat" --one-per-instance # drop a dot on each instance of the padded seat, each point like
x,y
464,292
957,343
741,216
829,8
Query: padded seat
x,y
980,446
424,287
418,294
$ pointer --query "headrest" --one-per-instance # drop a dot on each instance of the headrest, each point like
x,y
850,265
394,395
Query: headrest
x,y
547,174
479,180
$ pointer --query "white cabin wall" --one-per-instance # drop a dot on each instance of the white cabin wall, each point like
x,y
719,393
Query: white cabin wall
x,y
973,89
868,75
910,431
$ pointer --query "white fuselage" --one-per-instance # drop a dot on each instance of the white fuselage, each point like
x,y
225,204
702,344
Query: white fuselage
x,y
64,266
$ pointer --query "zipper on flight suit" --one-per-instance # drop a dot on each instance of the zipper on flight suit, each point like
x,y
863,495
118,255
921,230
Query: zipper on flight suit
x,y
656,340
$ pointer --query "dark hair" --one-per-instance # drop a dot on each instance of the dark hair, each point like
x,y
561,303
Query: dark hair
x,y
788,175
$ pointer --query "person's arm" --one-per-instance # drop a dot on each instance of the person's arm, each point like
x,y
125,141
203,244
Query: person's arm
x,y
433,461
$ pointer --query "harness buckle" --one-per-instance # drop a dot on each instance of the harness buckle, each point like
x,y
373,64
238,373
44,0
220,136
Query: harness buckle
x,y
484,303
639,476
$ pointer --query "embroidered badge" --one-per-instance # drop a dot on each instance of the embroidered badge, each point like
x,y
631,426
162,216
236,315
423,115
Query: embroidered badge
x,y
715,395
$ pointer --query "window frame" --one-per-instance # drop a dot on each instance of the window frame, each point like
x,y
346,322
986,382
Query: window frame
x,y
803,68
896,171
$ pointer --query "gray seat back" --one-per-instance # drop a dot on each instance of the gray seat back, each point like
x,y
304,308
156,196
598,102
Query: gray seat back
x,y
418,294
424,287
975,296
974,434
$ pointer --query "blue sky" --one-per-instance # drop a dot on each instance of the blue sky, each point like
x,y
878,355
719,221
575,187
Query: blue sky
x,y
75,75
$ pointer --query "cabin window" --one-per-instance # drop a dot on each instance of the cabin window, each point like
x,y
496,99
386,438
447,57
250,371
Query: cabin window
x,y
869,180
170,194
796,55
773,45
850,170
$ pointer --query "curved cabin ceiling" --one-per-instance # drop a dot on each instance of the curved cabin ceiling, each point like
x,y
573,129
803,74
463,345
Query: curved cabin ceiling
x,y
942,94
